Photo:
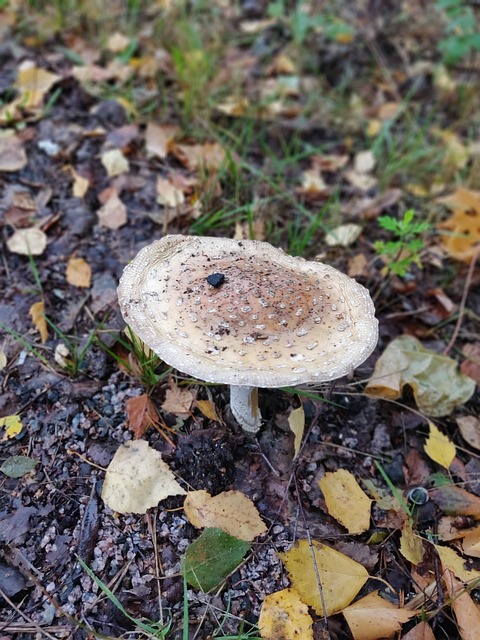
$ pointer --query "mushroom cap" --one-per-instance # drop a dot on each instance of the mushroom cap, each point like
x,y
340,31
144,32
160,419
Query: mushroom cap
x,y
273,321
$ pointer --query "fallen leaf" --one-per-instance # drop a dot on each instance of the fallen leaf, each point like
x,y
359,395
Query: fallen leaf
x,y
411,545
313,182
341,577
13,426
471,365
178,401
26,242
18,466
361,181
137,478
437,385
284,616
471,542
79,272
456,564
439,448
33,83
364,161
114,162
296,422
37,313
208,409
211,558
455,501
117,42
209,156
466,611
421,631
470,429
158,139
62,355
230,511
357,265
141,413
346,501
373,618
13,156
80,185
3,360
113,214
167,194
343,235
463,227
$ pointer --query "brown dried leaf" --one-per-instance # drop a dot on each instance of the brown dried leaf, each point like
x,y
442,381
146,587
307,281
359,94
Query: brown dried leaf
x,y
471,366
178,401
209,156
113,214
422,631
158,139
456,501
37,313
142,414
373,618
470,429
12,154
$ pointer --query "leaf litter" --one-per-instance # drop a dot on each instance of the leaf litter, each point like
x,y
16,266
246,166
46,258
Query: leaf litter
x,y
62,127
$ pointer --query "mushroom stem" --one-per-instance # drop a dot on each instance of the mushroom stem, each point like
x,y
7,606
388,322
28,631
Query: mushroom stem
x,y
244,406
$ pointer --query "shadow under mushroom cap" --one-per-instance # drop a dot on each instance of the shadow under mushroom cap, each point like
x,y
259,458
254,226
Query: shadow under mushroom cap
x,y
272,320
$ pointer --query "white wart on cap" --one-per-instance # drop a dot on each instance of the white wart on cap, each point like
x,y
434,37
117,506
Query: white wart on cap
x,y
246,314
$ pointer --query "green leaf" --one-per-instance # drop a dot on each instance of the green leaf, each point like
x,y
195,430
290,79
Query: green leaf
x,y
18,466
211,558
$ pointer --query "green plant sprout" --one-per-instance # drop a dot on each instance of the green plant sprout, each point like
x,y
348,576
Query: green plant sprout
x,y
151,629
404,250
462,31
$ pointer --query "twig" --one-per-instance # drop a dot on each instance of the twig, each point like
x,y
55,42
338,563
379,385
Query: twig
x,y
37,627
461,309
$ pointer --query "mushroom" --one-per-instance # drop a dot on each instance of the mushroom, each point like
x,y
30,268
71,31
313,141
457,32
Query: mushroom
x,y
244,313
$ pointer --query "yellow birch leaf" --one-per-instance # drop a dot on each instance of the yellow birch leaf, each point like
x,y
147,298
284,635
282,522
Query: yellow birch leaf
x,y
33,83
466,611
456,564
80,185
439,448
230,511
137,478
341,577
37,313
285,617
346,501
114,162
296,422
411,545
79,272
373,618
13,426
208,409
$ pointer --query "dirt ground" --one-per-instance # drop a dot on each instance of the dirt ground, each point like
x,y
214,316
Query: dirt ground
x,y
74,422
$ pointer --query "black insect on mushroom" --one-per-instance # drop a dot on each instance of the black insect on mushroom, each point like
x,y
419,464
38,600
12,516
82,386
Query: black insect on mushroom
x,y
216,279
